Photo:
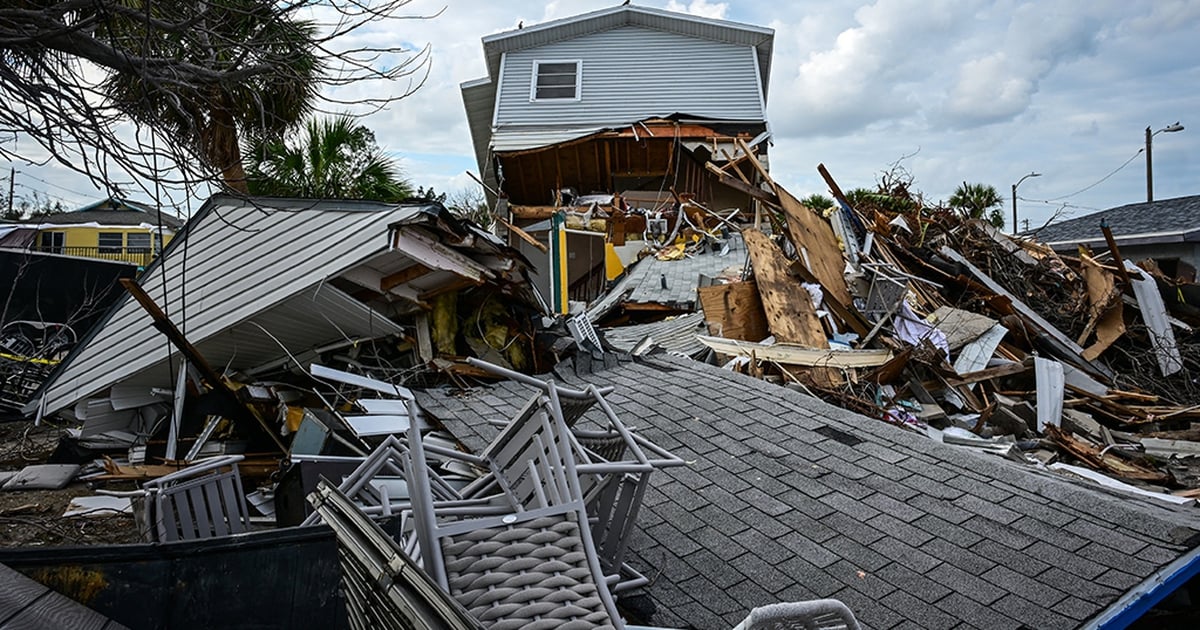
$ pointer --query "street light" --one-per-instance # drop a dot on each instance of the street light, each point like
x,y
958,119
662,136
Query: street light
x,y
1031,174
1149,161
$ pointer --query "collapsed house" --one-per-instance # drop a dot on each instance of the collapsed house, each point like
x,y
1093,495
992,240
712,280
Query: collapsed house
x,y
607,120
243,289
920,417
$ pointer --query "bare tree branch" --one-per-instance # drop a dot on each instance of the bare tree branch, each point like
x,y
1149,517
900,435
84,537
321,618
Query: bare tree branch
x,y
166,90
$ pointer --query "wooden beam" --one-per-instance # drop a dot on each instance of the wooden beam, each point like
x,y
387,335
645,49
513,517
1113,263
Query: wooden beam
x,y
403,276
736,184
218,384
524,236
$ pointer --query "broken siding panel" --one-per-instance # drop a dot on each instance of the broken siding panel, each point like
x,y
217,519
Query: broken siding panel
x,y
239,260
634,73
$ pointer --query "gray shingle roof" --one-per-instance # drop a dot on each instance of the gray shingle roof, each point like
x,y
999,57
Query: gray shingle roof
x,y
788,498
677,334
1181,214
643,284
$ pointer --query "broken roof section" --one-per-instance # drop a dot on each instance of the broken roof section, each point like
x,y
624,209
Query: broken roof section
x,y
788,498
254,282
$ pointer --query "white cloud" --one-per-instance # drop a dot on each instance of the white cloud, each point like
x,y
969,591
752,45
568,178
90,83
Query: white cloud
x,y
985,90
703,8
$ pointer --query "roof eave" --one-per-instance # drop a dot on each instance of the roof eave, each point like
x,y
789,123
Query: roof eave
x,y
1135,602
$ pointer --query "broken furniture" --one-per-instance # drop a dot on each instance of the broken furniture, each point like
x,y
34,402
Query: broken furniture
x,y
383,587
611,461
534,565
204,500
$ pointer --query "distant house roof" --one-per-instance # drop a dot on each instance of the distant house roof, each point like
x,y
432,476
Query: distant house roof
x,y
787,498
1154,222
113,211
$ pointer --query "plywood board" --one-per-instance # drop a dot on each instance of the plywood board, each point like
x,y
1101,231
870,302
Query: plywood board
x,y
788,305
814,238
734,311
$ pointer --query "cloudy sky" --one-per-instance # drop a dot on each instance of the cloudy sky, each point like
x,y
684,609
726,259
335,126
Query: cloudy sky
x,y
952,90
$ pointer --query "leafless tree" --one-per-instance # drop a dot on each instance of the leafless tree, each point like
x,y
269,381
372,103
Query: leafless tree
x,y
166,90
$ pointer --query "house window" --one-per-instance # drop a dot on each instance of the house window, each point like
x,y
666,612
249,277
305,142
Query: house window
x,y
137,243
555,80
51,242
111,242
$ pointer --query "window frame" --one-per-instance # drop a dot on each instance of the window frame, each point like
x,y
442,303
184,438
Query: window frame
x,y
110,249
130,248
533,81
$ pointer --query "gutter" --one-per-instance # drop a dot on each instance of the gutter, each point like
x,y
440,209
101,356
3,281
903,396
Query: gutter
x,y
1130,606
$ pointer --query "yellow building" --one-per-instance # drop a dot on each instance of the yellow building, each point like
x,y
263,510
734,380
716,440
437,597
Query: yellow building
x,y
112,229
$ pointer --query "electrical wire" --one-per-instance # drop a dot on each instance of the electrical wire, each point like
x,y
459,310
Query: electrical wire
x,y
1087,188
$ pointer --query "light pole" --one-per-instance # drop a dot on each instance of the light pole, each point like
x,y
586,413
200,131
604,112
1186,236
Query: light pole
x,y
1150,161
1014,190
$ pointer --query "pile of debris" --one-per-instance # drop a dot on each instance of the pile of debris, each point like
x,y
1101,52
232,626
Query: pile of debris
x,y
926,319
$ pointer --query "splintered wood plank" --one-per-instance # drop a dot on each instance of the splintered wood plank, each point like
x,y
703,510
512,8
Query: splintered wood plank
x,y
1107,314
789,308
814,238
734,311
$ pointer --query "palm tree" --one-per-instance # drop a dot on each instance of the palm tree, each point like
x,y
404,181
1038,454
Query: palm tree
x,y
212,113
817,202
979,201
333,158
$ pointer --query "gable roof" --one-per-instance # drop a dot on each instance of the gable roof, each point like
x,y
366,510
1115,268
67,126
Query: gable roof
x,y
761,38
788,498
113,211
1163,221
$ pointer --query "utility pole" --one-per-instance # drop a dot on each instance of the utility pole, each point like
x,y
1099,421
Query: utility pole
x,y
12,181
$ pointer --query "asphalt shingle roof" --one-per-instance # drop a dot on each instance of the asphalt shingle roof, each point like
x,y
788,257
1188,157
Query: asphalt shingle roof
x,y
1166,215
644,283
788,498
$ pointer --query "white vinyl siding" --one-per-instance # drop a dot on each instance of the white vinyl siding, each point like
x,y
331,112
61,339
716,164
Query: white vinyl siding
x,y
555,81
634,73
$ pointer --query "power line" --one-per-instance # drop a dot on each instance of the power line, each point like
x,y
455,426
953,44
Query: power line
x,y
1087,188
62,188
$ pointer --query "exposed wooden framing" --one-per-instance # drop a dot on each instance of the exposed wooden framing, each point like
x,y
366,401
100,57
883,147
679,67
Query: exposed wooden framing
x,y
753,191
524,236
449,287
404,276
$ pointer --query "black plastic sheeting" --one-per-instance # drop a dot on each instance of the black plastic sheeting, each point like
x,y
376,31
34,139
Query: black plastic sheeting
x,y
281,578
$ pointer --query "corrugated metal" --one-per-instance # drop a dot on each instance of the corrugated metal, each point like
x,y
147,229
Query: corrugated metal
x,y
236,260
632,73
494,46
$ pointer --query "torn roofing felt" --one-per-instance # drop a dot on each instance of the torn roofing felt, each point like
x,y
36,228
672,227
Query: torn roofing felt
x,y
250,281
788,498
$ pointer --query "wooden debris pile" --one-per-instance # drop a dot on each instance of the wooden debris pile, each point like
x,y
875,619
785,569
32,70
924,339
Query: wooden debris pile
x,y
926,319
